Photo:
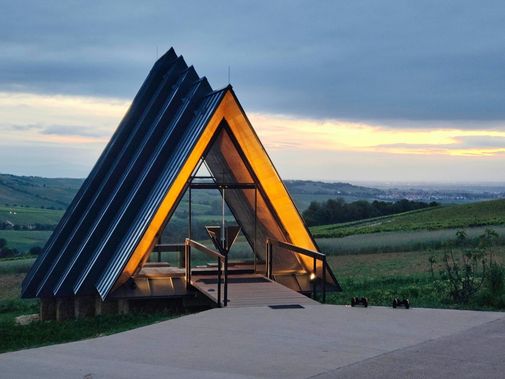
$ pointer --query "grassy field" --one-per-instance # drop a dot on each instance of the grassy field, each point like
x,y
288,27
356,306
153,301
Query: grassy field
x,y
404,241
27,216
15,337
383,276
37,192
380,259
444,217
23,240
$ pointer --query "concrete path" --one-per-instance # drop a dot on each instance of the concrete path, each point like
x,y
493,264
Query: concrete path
x,y
319,341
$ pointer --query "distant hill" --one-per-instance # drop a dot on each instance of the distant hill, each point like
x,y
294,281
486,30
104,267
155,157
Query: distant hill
x,y
485,213
57,193
37,192
337,189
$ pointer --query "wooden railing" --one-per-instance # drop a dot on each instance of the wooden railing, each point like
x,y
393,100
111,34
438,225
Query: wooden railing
x,y
315,255
222,265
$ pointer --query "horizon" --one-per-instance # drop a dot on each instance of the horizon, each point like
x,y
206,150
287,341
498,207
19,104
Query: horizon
x,y
363,183
393,94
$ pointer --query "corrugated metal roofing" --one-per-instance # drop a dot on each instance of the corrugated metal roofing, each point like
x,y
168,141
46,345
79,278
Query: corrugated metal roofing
x,y
95,240
111,211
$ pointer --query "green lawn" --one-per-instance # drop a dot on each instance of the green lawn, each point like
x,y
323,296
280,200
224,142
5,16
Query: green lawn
x,y
383,276
399,241
27,216
15,337
444,217
23,240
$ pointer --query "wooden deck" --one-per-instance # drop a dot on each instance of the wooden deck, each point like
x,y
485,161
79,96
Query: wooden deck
x,y
250,290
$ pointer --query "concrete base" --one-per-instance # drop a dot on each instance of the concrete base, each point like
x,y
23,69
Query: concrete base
x,y
47,309
317,341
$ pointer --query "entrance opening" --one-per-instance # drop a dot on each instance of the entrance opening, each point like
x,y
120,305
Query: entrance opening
x,y
202,212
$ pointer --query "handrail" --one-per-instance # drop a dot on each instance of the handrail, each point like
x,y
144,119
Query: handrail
x,y
221,261
315,255
298,249
204,249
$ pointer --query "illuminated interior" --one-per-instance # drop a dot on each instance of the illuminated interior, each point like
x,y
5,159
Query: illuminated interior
x,y
234,154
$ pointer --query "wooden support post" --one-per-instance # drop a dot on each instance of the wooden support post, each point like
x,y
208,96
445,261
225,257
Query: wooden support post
x,y
47,309
123,306
107,307
84,306
64,308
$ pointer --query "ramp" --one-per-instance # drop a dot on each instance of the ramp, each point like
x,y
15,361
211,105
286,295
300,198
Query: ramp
x,y
250,290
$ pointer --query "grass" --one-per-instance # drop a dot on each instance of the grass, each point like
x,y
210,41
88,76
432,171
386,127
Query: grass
x,y
445,217
399,241
383,276
36,192
15,337
27,216
16,265
23,240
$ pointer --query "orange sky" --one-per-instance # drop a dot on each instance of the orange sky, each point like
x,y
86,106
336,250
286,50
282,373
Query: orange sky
x,y
67,122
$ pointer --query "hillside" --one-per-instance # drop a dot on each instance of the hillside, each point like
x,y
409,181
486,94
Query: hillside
x,y
25,216
446,217
57,193
33,191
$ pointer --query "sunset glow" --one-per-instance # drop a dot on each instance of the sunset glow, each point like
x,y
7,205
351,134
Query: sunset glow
x,y
65,120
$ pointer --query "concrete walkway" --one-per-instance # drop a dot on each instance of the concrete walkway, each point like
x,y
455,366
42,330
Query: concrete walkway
x,y
318,341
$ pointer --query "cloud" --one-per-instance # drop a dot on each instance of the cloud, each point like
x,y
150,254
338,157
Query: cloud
x,y
366,60
65,130
482,141
28,118
283,133
63,136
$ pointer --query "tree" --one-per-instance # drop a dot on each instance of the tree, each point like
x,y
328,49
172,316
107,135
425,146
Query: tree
x,y
36,250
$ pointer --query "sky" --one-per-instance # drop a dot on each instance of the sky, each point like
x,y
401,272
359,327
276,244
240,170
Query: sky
x,y
390,91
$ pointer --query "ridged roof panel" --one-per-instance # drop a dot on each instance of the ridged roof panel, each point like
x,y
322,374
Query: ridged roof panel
x,y
108,216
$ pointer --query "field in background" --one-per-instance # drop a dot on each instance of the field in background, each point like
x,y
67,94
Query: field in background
x,y
402,241
486,213
379,258
23,240
29,216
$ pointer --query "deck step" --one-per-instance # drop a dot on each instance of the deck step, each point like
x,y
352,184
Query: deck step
x,y
250,290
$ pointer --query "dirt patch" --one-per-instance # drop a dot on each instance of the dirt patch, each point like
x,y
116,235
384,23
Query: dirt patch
x,y
10,285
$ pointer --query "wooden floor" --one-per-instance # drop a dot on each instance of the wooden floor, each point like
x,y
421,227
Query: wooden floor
x,y
250,290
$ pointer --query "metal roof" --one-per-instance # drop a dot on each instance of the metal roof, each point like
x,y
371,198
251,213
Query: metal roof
x,y
110,212
175,120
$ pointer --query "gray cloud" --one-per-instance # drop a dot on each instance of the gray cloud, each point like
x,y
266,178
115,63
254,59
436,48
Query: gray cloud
x,y
60,130
385,60
481,142
462,142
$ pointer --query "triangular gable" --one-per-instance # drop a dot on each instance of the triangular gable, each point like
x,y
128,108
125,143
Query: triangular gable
x,y
230,113
113,221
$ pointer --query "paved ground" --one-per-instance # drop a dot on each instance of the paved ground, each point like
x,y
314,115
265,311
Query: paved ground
x,y
319,341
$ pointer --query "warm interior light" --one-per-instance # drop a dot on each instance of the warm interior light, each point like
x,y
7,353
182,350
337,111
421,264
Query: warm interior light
x,y
312,277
